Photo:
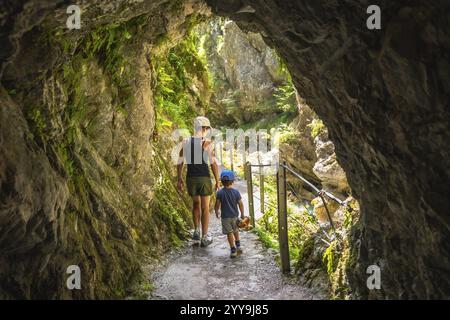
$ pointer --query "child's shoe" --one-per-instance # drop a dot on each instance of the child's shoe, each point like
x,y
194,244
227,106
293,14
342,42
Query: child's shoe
x,y
238,247
233,253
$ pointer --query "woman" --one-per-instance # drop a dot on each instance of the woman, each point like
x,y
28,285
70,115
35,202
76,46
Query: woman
x,y
198,153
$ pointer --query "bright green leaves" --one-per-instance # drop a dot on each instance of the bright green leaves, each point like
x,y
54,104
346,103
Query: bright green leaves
x,y
316,127
285,99
177,73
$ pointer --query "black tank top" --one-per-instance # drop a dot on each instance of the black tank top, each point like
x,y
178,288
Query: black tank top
x,y
196,164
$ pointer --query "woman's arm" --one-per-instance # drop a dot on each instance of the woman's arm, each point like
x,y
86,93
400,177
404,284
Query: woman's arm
x,y
180,169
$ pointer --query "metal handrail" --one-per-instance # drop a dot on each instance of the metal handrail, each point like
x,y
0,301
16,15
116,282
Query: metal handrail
x,y
311,185
319,192
283,216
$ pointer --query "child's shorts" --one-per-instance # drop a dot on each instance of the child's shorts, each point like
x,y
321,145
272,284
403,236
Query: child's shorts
x,y
229,225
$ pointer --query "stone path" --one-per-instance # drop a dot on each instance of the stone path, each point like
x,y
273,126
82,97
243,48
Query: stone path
x,y
209,273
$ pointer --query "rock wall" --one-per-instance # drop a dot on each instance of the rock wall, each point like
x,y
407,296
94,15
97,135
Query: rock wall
x,y
327,169
245,74
383,95
82,175
310,152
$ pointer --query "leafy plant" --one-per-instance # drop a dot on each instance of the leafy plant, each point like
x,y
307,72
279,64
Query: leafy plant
x,y
316,126
329,258
176,101
285,98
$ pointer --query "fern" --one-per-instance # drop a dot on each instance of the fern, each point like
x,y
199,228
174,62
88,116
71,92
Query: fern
x,y
285,98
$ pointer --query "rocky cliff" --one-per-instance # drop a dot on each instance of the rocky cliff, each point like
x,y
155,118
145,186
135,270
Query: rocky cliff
x,y
245,75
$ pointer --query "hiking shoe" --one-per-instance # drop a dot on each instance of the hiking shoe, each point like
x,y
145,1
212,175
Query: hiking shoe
x,y
196,235
206,240
238,246
233,253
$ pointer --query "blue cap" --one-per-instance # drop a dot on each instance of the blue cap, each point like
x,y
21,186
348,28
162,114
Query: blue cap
x,y
227,175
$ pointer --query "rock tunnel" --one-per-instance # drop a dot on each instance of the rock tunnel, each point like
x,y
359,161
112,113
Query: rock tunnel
x,y
82,185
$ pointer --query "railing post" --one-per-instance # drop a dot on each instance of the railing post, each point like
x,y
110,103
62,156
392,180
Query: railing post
x,y
248,170
282,219
261,188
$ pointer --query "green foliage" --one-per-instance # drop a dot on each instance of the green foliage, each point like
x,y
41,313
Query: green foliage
x,y
176,101
287,134
108,43
266,238
285,99
169,205
299,235
104,44
305,251
39,123
329,258
282,68
63,151
338,257
316,127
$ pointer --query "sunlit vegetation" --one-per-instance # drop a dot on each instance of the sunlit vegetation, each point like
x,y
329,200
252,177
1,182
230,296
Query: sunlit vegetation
x,y
285,98
301,221
316,127
177,72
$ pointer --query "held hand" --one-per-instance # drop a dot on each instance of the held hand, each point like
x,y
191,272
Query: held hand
x,y
180,184
217,186
217,214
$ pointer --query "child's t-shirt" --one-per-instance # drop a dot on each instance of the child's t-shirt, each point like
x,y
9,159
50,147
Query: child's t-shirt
x,y
229,199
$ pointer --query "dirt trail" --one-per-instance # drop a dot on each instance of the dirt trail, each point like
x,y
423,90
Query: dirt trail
x,y
209,273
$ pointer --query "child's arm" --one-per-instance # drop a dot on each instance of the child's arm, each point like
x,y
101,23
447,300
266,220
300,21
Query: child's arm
x,y
241,208
217,207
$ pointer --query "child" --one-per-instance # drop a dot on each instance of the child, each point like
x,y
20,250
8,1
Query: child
x,y
228,199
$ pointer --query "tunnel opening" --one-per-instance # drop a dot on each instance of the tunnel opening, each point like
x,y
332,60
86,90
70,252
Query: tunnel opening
x,y
84,142
244,87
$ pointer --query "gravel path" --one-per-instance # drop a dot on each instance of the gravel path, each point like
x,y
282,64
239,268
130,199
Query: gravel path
x,y
209,273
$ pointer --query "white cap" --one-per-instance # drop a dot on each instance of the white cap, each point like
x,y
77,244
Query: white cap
x,y
200,122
